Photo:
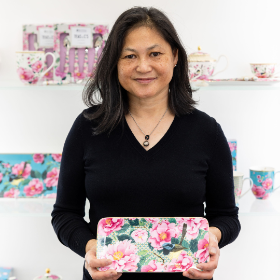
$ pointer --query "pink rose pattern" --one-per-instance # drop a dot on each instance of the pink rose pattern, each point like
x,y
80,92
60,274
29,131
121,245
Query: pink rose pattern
x,y
37,176
145,244
263,184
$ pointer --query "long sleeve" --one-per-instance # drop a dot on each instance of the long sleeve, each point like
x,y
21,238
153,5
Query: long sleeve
x,y
69,209
220,210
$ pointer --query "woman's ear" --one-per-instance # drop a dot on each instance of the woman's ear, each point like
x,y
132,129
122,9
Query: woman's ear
x,y
175,54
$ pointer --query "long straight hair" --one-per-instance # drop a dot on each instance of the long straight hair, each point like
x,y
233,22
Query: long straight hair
x,y
104,80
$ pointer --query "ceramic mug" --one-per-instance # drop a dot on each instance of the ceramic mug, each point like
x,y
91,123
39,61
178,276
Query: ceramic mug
x,y
238,180
263,180
30,65
263,70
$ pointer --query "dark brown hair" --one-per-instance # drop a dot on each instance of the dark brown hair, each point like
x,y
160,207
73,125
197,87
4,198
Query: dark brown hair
x,y
104,81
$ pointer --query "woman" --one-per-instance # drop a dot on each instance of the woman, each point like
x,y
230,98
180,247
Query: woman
x,y
145,150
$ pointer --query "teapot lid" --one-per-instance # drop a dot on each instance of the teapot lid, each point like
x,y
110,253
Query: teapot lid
x,y
200,56
47,276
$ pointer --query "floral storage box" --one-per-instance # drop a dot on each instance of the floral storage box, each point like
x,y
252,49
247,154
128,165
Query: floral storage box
x,y
29,175
77,48
233,149
40,38
153,244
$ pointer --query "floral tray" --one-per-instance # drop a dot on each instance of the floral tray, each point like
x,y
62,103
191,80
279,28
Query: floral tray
x,y
152,244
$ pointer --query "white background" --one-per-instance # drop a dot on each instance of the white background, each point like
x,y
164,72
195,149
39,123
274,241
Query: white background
x,y
38,121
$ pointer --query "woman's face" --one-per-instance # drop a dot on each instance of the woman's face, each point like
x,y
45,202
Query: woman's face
x,y
146,64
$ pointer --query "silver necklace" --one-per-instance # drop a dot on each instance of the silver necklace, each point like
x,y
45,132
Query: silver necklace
x,y
147,137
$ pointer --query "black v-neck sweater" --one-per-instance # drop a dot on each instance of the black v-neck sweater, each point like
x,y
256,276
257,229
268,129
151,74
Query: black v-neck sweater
x,y
190,165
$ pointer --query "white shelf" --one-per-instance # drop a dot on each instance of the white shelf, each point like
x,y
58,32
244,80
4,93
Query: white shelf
x,y
37,207
234,85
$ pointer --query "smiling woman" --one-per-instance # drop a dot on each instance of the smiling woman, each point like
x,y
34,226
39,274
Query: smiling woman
x,y
167,159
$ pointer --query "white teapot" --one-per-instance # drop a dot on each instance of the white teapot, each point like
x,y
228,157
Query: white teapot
x,y
48,276
202,65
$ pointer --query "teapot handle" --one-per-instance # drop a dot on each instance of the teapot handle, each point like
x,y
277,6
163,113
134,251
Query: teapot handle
x,y
224,68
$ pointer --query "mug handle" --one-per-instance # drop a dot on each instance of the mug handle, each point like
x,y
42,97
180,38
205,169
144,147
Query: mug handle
x,y
224,68
251,185
53,63
274,178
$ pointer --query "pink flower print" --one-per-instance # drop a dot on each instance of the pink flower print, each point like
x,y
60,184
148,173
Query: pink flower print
x,y
101,29
38,158
152,220
79,75
57,157
140,235
203,249
51,195
107,225
259,181
258,191
18,169
1,177
265,196
231,146
35,81
182,263
52,178
35,186
7,165
194,224
25,74
162,233
59,74
153,266
37,66
12,193
258,176
123,256
267,183
39,26
69,26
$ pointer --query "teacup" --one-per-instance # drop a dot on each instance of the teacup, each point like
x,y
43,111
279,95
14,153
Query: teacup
x,y
238,181
263,181
264,70
30,65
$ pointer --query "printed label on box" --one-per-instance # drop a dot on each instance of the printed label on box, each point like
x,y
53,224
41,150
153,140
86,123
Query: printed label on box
x,y
81,37
46,37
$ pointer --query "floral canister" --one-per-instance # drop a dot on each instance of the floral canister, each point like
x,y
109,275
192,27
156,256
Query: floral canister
x,y
48,276
202,65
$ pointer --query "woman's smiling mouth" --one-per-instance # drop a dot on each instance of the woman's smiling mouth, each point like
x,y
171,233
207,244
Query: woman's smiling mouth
x,y
144,80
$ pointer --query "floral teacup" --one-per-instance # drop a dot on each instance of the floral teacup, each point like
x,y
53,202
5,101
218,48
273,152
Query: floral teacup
x,y
263,70
30,65
263,181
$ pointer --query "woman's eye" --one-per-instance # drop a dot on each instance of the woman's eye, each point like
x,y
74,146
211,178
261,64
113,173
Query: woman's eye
x,y
130,56
155,53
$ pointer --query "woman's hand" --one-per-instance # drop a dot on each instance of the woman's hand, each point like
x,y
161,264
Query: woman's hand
x,y
91,264
208,269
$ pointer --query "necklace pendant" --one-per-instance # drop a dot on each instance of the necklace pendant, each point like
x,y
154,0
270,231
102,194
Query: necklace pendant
x,y
146,144
147,137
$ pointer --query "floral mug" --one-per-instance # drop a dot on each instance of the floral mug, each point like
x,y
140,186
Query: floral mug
x,y
30,65
263,181
238,180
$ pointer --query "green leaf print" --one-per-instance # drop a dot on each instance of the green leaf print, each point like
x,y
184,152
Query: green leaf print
x,y
172,220
35,174
201,234
150,246
142,222
108,241
124,228
193,245
125,237
44,175
142,252
134,222
174,240
25,182
185,244
57,60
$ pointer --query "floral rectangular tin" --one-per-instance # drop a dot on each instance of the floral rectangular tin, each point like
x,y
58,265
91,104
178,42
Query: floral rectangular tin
x,y
29,175
162,244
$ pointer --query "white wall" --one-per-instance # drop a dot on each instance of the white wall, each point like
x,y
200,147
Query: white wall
x,y
245,31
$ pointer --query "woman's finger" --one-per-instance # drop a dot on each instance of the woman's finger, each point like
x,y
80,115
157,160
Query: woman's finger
x,y
212,264
195,274
96,274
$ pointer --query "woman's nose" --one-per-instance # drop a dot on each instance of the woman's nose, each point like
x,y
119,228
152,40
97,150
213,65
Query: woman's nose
x,y
143,66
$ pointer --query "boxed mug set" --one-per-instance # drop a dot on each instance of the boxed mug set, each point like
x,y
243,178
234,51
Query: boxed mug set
x,y
60,53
